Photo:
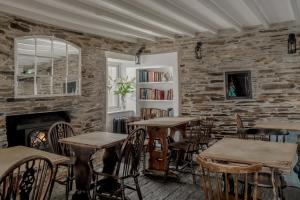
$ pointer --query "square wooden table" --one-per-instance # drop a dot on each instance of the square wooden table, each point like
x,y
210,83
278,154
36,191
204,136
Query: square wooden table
x,y
84,145
158,130
291,126
275,155
9,156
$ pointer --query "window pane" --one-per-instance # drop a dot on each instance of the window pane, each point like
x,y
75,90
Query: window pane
x,y
113,100
26,65
26,46
59,67
72,85
73,59
43,47
59,49
25,86
44,66
43,85
58,85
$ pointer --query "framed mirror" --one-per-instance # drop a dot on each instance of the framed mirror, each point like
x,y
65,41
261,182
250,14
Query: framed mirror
x,y
46,66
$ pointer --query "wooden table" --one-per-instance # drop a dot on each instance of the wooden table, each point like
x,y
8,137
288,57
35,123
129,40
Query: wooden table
x,y
158,130
84,145
9,156
291,126
274,155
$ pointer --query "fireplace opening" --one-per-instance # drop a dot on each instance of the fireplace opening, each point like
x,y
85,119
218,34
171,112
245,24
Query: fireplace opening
x,y
31,130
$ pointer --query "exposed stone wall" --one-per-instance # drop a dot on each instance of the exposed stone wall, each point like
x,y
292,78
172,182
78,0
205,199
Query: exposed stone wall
x,y
87,111
275,74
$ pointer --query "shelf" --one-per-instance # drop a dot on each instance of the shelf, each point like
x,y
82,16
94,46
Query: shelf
x,y
155,100
166,82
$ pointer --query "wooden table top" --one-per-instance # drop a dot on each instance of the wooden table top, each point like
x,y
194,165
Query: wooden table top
x,y
96,140
280,156
164,121
292,126
9,156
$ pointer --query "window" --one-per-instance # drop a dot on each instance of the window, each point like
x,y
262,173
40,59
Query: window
x,y
46,66
113,73
238,85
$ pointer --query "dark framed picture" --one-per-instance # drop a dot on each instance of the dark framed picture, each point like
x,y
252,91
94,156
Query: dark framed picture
x,y
238,85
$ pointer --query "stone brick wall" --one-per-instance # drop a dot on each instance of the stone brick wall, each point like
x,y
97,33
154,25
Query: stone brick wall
x,y
87,111
275,74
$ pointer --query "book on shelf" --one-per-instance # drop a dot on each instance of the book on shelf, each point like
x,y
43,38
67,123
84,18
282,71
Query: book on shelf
x,y
155,94
147,113
150,76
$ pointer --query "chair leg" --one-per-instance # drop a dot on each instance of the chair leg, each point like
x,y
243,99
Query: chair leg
x,y
52,183
138,189
71,177
68,182
123,190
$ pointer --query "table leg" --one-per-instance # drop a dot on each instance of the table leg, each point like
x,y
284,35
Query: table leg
x,y
82,174
158,157
83,171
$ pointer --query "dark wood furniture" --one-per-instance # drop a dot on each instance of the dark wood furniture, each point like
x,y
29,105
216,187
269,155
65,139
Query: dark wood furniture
x,y
278,157
129,129
112,183
84,146
27,179
198,137
58,131
243,132
214,176
158,130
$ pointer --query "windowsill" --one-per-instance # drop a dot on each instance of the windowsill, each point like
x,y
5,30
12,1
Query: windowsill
x,y
119,111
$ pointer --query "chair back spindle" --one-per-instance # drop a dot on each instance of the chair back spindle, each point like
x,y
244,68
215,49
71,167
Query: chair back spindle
x,y
28,179
130,128
217,180
58,131
131,153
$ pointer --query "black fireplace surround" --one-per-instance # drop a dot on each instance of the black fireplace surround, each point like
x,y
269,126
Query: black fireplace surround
x,y
21,128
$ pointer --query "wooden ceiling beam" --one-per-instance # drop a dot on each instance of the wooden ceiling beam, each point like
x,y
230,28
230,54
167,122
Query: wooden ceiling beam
x,y
218,10
142,15
25,9
77,8
169,9
255,9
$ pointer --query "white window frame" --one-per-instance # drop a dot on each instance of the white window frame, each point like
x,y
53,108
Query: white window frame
x,y
35,56
118,66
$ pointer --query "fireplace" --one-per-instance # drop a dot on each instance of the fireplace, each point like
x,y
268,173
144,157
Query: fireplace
x,y
31,129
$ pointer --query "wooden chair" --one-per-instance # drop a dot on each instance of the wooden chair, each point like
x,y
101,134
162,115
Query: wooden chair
x,y
27,179
216,178
248,133
264,177
113,185
58,131
198,139
129,129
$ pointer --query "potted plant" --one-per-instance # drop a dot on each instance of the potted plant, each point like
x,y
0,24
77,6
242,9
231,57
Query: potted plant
x,y
123,86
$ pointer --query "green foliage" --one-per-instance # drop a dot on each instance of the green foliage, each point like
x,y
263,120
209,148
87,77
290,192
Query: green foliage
x,y
123,85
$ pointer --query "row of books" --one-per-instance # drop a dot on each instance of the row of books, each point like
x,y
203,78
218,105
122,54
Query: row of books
x,y
149,76
155,94
148,113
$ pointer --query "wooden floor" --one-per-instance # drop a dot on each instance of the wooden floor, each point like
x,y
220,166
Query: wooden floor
x,y
184,189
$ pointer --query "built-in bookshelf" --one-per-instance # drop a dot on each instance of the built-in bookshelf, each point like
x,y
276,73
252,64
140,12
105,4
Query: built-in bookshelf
x,y
157,86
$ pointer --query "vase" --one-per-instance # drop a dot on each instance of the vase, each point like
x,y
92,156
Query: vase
x,y
123,102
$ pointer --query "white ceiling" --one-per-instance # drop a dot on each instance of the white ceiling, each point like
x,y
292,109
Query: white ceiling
x,y
130,20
